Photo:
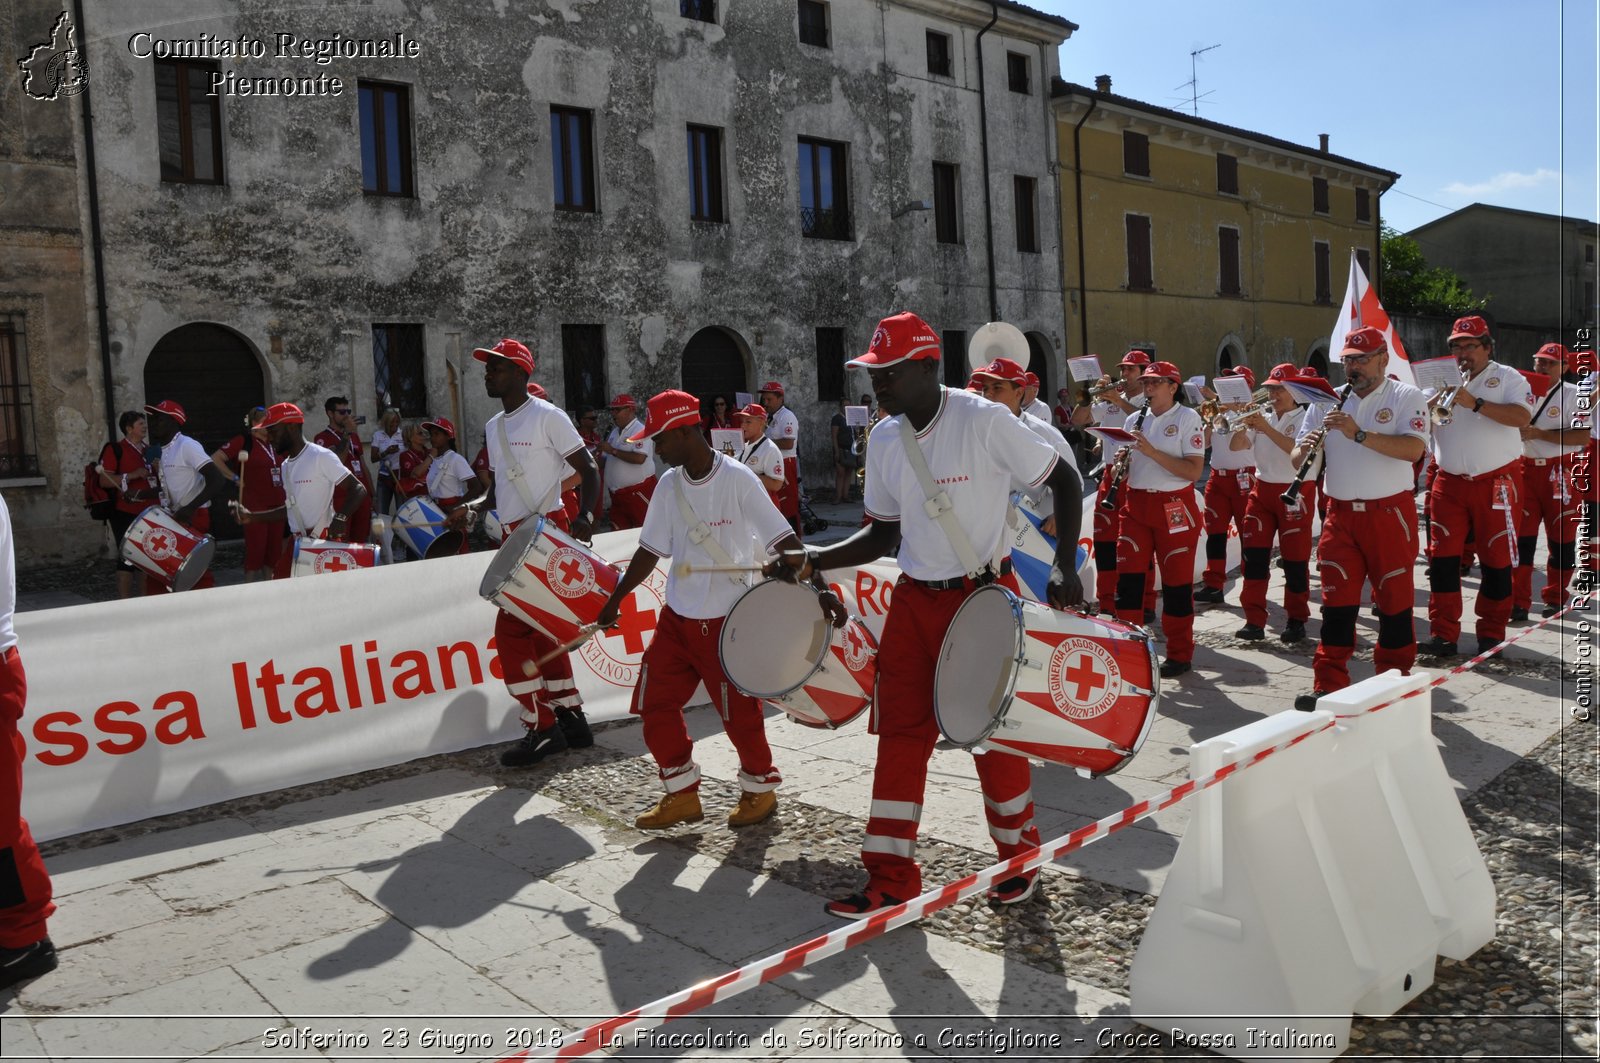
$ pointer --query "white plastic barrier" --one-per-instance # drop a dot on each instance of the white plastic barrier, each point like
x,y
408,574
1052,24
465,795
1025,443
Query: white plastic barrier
x,y
1317,884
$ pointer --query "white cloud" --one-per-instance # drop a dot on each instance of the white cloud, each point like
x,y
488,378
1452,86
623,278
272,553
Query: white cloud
x,y
1501,183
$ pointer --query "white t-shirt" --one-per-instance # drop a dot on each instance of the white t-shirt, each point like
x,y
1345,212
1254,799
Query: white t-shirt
x,y
382,441
619,473
449,475
743,520
1037,409
1178,432
1050,434
1223,457
1472,444
1272,461
308,483
1109,413
182,460
8,580
1355,470
542,438
1560,413
784,425
975,450
763,458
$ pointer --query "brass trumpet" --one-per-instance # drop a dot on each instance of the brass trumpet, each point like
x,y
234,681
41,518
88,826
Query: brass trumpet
x,y
1441,407
1103,389
1235,419
1210,410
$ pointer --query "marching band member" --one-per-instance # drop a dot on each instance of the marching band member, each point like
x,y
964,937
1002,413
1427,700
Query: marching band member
x,y
1267,517
1476,495
1370,532
123,470
630,468
260,487
1004,381
343,437
1112,408
1160,522
1550,444
187,477
704,496
761,455
783,428
311,475
1032,405
972,449
450,476
1227,488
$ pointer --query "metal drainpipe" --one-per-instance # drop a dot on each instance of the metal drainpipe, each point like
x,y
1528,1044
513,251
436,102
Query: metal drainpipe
x,y
1077,173
983,126
96,247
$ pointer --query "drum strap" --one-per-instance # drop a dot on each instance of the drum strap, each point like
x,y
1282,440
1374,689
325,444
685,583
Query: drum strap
x,y
515,473
938,505
699,532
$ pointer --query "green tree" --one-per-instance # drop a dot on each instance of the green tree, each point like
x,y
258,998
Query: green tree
x,y
1411,286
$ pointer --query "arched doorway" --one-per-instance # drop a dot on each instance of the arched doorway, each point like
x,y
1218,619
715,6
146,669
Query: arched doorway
x,y
1318,358
1230,352
715,362
213,373
1039,359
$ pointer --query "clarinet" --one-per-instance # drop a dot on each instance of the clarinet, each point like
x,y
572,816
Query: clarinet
x,y
1120,472
1292,495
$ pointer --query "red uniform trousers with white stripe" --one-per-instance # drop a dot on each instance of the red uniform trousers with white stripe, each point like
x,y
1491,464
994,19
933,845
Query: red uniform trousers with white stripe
x,y
1107,525
1548,499
1227,497
1368,540
1267,518
902,718
1483,510
628,504
682,655
540,691
25,889
1148,535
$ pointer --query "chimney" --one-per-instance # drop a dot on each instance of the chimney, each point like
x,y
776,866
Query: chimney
x,y
1322,141
1102,83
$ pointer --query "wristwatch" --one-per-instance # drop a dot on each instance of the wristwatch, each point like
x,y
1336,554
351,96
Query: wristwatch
x,y
1477,404
1360,436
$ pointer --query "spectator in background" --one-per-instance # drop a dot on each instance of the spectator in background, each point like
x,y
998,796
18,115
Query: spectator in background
x,y
760,454
344,438
721,416
123,469
387,443
630,468
249,461
844,456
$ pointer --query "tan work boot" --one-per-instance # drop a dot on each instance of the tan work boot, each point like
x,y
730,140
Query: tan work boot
x,y
752,808
681,807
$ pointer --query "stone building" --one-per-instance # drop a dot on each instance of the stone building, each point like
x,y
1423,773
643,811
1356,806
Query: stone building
x,y
294,201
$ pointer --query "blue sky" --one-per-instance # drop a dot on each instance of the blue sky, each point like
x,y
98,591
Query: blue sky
x,y
1471,102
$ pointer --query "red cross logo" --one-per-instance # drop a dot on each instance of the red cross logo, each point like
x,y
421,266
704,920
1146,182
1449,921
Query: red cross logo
x,y
1087,677
160,543
852,635
633,624
571,571
335,563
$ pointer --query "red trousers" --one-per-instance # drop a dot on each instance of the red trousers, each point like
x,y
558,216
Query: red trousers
x,y
540,692
683,655
1548,499
1267,518
903,720
1107,525
1483,510
25,890
1373,540
262,545
628,504
1227,495
1164,527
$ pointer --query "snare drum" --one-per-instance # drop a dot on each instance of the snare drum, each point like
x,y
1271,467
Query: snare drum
x,y
1057,686
317,557
1033,554
777,645
548,579
493,528
426,542
162,546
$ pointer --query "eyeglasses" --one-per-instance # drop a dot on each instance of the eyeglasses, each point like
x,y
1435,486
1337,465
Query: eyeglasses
x,y
1465,345
344,412
1358,359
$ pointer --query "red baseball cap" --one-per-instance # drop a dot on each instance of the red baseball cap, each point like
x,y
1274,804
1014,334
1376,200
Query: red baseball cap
x,y
626,400
537,390
669,409
1162,371
975,384
1471,327
282,413
170,408
772,386
904,337
442,424
1281,372
1032,380
1135,358
1552,352
510,350
1246,372
1310,372
1364,340
755,409
1004,370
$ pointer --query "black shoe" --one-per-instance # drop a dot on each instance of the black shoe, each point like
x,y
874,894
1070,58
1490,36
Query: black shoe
x,y
1293,631
1519,615
1376,611
30,961
1208,596
1308,702
1171,668
1250,633
575,725
1549,610
1485,645
1437,647
1466,569
1149,617
534,747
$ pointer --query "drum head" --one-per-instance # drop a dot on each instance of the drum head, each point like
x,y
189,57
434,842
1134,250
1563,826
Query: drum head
x,y
774,639
977,666
508,557
447,544
195,565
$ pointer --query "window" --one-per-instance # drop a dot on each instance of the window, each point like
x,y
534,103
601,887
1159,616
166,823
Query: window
x,y
18,455
939,53
705,174
1363,205
1140,275
572,158
953,351
814,23
946,203
1324,275
1135,154
830,364
1027,209
1227,174
1588,252
1364,259
1228,260
1017,73
398,369
824,190
385,139
699,10
1319,195
1588,300
189,122
583,365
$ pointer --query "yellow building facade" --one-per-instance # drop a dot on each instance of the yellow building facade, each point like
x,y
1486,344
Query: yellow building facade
x,y
1212,245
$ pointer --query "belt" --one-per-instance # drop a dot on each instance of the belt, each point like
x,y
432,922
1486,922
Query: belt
x,y
1563,459
1366,505
1176,492
1493,474
956,583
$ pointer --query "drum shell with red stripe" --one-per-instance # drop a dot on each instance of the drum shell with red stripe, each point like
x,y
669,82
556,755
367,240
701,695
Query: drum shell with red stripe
x,y
162,546
324,557
548,579
778,645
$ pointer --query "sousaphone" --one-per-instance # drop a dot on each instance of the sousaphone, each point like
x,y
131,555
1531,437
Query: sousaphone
x,y
998,339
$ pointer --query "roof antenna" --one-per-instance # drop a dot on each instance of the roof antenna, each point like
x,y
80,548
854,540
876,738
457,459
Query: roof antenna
x,y
1193,84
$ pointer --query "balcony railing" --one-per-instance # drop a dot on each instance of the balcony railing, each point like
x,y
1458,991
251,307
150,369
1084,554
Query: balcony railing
x,y
825,223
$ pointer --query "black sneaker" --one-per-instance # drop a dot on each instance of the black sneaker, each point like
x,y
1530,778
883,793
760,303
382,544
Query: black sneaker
x,y
534,747
1466,569
1149,617
1208,596
1251,633
575,725
1293,631
1550,610
1171,668
861,905
1519,615
1485,645
1013,890
1437,647
29,961
1308,702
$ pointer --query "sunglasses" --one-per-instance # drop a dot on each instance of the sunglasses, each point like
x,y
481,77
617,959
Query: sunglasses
x,y
344,412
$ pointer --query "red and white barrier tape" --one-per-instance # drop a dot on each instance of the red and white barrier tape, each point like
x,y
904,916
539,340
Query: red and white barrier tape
x,y
685,1002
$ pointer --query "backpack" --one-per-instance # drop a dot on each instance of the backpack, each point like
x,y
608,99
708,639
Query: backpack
x,y
98,499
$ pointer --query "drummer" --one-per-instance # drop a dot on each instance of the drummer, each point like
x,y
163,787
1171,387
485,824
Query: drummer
x,y
311,474
974,449
186,472
705,497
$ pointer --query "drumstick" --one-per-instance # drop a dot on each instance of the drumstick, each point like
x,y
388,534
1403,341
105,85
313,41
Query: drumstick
x,y
585,633
688,569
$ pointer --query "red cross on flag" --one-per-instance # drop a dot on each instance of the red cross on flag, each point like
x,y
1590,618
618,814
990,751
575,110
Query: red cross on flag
x,y
1361,308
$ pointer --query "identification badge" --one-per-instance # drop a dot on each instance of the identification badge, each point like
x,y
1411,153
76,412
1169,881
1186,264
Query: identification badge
x,y
1244,481
1177,516
1502,495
